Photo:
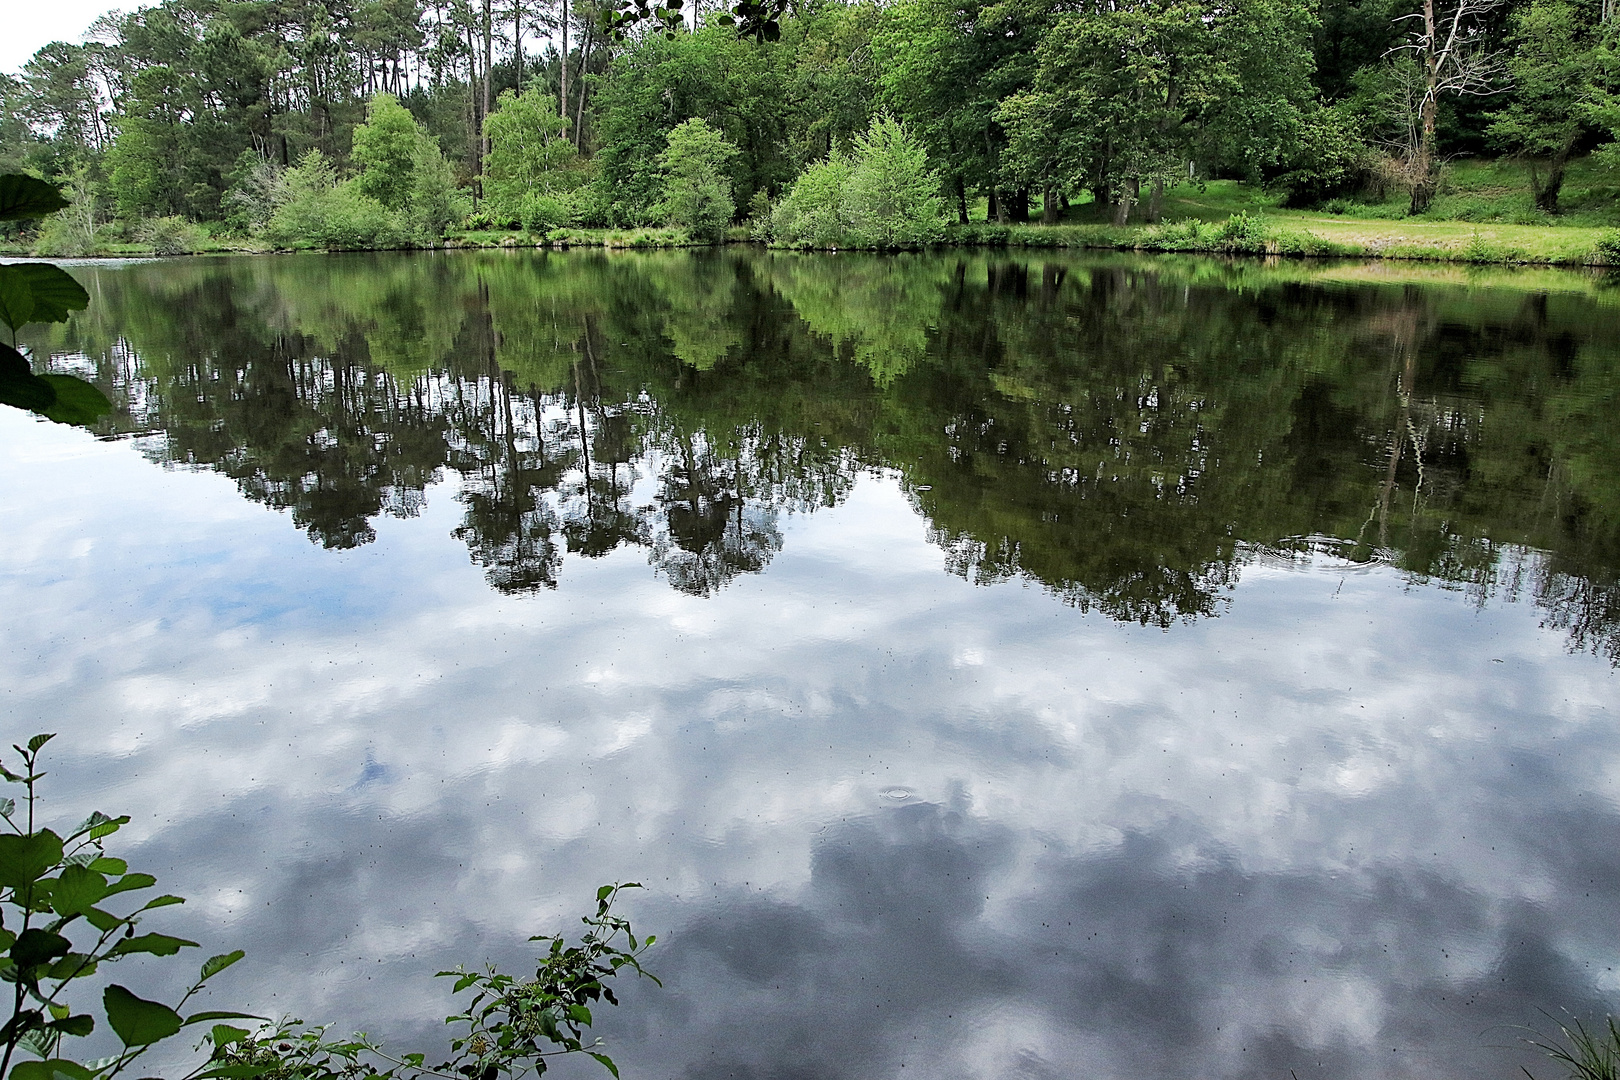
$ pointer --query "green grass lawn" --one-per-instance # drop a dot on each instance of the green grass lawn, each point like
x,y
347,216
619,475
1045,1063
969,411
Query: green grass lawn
x,y
1484,213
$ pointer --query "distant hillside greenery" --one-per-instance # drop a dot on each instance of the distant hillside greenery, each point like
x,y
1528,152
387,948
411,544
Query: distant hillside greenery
x,y
195,124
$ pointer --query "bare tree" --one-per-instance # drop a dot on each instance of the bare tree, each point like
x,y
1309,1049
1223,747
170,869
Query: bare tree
x,y
1449,46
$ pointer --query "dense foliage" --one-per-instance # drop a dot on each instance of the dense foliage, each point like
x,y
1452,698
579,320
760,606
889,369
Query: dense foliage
x,y
429,117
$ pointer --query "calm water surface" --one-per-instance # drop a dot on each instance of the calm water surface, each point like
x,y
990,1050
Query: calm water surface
x,y
994,666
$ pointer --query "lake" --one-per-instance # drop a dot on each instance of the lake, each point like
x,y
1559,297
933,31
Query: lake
x,y
993,664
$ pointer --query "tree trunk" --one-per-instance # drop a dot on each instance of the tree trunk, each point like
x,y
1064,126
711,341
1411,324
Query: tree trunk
x,y
1422,167
517,44
1547,193
1127,199
1049,204
993,212
1020,205
489,31
1156,201
579,114
564,95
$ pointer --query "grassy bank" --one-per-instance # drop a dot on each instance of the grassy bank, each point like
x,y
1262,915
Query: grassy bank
x,y
1483,214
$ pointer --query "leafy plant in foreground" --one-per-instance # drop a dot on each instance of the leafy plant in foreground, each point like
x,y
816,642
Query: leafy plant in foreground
x,y
39,292
510,1028
56,929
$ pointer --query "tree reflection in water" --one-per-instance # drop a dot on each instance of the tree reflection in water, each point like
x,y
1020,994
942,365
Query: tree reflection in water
x,y
1127,432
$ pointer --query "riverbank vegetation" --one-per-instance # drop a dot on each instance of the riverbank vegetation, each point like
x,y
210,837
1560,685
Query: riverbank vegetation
x,y
1349,127
60,894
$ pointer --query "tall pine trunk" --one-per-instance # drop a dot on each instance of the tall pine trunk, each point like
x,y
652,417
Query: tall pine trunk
x,y
563,97
579,113
489,34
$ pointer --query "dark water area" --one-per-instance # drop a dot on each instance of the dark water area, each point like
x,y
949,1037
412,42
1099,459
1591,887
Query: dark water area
x,y
994,665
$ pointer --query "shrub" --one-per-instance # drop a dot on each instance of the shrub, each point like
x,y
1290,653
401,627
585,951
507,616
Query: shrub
x,y
170,235
73,230
1241,233
323,212
543,213
259,188
759,217
1608,247
434,203
892,197
1330,159
697,191
882,197
812,214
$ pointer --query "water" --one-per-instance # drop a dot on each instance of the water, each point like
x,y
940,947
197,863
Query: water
x,y
994,666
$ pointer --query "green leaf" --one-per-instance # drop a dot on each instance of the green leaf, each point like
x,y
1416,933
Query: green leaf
x,y
107,826
97,819
579,1014
218,1014
224,1035
77,890
80,1025
28,197
35,946
166,900
52,290
72,966
35,743
26,858
216,964
22,389
606,1062
102,920
81,404
132,881
16,297
137,1021
108,865
237,1072
603,893
50,1069
156,944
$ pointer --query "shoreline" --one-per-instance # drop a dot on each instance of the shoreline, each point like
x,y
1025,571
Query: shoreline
x,y
1462,243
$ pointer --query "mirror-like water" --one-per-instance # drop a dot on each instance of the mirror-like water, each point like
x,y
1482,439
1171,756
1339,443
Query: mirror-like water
x,y
994,666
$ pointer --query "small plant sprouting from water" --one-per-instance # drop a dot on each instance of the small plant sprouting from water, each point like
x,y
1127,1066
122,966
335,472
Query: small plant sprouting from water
x,y
56,930
1588,1055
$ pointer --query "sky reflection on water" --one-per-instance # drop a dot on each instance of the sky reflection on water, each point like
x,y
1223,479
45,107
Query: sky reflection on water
x,y
893,822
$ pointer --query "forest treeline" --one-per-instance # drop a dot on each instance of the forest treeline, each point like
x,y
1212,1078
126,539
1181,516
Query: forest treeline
x,y
366,123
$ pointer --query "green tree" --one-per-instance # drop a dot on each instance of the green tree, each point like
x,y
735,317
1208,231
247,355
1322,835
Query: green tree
x,y
891,195
530,155
697,189
385,152
1551,64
